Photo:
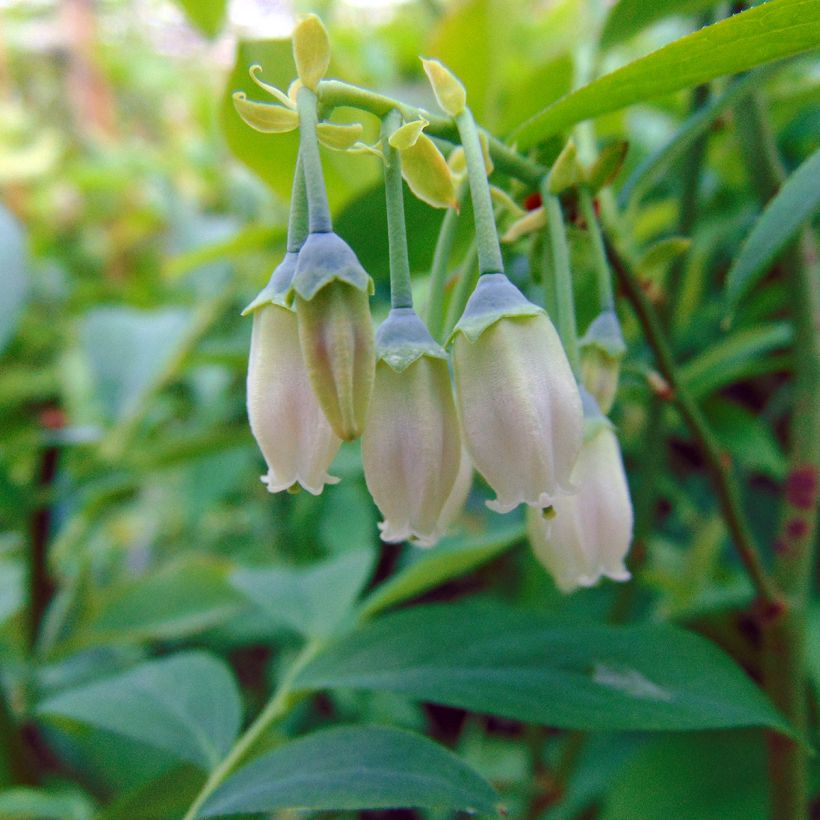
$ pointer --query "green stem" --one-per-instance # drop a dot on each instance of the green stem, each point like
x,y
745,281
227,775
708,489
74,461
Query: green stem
x,y
603,274
318,207
486,233
298,217
438,273
283,700
565,302
401,291
465,284
784,631
335,94
726,487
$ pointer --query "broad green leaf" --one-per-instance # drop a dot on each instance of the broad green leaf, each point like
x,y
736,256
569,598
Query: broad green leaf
x,y
14,276
710,776
628,17
24,803
206,15
182,599
735,357
651,169
187,704
794,205
772,31
127,351
313,600
430,568
522,665
168,795
356,767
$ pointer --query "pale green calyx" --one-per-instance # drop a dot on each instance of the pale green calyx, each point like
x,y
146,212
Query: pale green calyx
x,y
604,333
403,339
494,298
325,258
276,290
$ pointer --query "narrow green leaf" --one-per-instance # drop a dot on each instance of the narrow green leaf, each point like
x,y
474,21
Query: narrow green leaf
x,y
652,168
522,665
628,17
187,704
15,275
772,31
794,205
351,768
430,568
737,356
313,600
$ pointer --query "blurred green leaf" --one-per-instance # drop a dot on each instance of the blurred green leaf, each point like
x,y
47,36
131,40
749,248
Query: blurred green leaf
x,y
430,568
206,15
349,768
187,704
710,776
522,665
737,356
23,803
189,596
313,600
794,205
168,795
771,31
15,275
11,588
628,17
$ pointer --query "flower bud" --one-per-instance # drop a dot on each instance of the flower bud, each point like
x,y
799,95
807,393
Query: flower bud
x,y
411,447
602,348
331,288
292,432
589,534
518,401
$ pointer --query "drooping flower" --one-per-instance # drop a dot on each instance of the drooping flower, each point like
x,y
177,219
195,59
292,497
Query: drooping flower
x,y
285,417
518,401
587,535
411,447
602,348
330,290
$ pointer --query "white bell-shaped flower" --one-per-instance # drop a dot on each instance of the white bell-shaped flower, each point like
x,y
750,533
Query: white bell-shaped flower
x,y
411,445
286,419
518,401
587,535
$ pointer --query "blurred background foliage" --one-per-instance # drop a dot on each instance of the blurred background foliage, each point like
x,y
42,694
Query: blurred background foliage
x,y
140,215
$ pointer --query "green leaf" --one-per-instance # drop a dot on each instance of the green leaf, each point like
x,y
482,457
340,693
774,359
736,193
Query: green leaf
x,y
313,600
772,31
430,568
794,205
187,704
206,15
737,356
357,767
711,776
187,597
15,274
522,665
628,17
23,803
651,169
168,795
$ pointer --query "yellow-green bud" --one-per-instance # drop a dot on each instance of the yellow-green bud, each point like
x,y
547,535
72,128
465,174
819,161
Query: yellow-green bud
x,y
331,290
311,51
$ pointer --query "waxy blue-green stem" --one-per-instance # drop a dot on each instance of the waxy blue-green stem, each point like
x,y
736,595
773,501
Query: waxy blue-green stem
x,y
564,299
603,274
298,218
489,250
438,272
318,208
401,292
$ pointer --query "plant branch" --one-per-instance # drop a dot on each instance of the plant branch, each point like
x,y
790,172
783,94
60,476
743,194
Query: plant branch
x,y
724,482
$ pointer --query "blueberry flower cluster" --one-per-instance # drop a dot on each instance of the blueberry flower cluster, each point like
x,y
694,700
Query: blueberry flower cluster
x,y
504,400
